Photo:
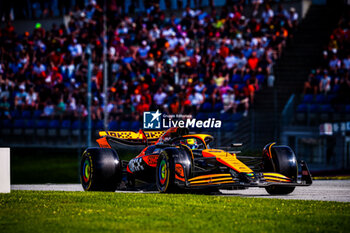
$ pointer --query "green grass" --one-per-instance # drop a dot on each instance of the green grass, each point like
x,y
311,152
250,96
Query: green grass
x,y
43,165
331,178
44,169
34,211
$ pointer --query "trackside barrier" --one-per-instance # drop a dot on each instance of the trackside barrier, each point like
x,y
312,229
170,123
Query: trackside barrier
x,y
4,170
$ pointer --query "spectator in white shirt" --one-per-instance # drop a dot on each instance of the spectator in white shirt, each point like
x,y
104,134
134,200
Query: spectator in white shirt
x,y
293,16
241,61
31,98
189,12
267,14
196,99
229,102
200,87
231,60
167,31
159,97
173,41
325,83
38,68
154,32
143,50
334,63
75,48
238,43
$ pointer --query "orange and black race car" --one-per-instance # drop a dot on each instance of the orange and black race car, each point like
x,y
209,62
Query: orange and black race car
x,y
175,160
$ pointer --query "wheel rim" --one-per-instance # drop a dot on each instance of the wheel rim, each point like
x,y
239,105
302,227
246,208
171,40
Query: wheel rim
x,y
163,171
86,170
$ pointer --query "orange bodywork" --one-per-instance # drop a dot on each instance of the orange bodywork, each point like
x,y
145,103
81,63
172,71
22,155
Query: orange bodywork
x,y
179,172
209,176
270,155
230,160
211,179
151,160
276,177
102,142
212,183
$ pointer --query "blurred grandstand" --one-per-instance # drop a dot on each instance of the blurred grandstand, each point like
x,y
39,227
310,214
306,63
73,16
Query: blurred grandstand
x,y
247,63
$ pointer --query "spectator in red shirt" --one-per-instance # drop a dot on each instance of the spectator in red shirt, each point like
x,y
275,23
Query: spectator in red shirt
x,y
56,58
143,106
54,78
253,61
224,50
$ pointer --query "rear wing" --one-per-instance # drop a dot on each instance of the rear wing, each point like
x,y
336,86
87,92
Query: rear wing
x,y
140,136
128,143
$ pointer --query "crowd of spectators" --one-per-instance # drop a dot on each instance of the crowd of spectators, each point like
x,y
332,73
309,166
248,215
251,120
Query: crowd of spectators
x,y
197,61
331,78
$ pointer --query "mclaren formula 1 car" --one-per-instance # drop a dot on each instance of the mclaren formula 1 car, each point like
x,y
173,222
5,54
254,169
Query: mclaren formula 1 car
x,y
175,160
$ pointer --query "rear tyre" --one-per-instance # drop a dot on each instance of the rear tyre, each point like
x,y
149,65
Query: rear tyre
x,y
165,173
280,159
100,169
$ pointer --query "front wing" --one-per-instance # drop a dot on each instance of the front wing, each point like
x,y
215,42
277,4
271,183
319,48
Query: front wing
x,y
232,180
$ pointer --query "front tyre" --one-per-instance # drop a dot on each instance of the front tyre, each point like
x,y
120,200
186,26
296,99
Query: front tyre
x,y
100,169
280,159
165,173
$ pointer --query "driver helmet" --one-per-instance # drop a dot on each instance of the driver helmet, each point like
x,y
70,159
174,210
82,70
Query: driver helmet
x,y
192,143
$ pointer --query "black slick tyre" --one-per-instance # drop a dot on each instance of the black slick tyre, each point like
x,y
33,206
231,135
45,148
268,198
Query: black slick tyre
x,y
165,173
100,169
280,159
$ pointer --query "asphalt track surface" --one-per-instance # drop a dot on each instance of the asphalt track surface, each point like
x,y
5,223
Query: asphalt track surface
x,y
322,190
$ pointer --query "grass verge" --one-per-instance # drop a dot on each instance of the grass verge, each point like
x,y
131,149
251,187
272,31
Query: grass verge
x,y
38,169
35,211
331,178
